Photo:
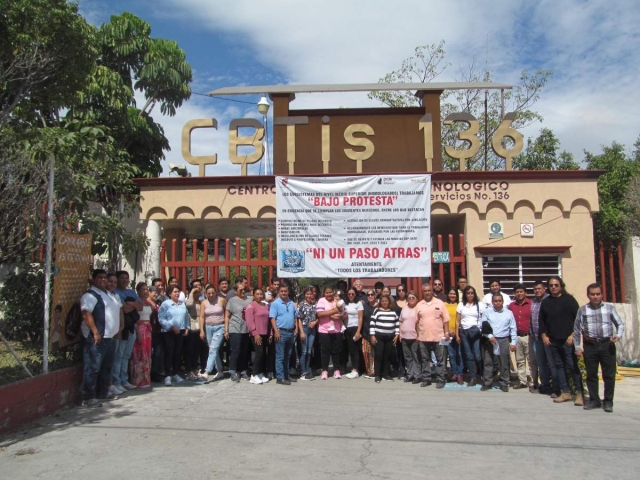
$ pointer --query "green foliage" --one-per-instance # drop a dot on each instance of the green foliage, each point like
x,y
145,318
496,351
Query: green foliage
x,y
427,63
612,221
542,154
22,304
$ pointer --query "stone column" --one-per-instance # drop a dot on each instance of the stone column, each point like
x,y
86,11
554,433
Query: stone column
x,y
154,234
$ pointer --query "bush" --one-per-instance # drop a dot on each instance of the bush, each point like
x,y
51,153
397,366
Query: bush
x,y
22,303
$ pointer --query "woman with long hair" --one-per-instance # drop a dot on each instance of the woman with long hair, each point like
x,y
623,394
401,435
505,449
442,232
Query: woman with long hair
x,y
140,368
307,319
453,349
468,322
330,325
174,319
408,338
368,355
353,332
385,330
236,331
257,317
211,321
197,351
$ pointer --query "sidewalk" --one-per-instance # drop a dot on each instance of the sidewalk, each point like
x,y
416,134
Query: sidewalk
x,y
330,429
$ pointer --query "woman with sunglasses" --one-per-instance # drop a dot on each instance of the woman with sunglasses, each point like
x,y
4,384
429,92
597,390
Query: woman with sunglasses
x,y
307,322
401,297
368,355
330,325
353,332
468,334
237,333
453,349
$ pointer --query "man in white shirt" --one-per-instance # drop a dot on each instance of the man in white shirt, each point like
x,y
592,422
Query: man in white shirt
x,y
495,288
101,320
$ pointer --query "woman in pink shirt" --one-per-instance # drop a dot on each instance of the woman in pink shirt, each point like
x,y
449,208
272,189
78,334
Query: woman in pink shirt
x,y
256,315
330,325
408,336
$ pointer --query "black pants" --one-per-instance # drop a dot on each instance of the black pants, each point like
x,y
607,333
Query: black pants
x,y
157,357
331,346
260,356
383,350
603,354
197,351
172,351
351,350
239,359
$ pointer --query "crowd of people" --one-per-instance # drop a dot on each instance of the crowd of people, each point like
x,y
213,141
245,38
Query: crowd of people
x,y
159,333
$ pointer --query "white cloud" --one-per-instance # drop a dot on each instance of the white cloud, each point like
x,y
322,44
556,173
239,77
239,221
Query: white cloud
x,y
590,46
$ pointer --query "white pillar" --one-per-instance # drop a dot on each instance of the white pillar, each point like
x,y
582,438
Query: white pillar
x,y
154,234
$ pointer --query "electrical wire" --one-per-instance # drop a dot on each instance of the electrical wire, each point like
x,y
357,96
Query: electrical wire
x,y
223,98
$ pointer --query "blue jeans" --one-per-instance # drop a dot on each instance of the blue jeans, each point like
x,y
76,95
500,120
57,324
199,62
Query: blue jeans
x,y
565,362
283,354
471,349
215,336
307,348
98,360
120,370
540,351
455,359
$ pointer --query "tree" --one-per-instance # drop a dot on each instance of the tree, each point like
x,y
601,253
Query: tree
x,y
542,154
428,63
611,223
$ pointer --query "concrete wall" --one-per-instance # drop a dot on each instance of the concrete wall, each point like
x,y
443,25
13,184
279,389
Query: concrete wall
x,y
26,401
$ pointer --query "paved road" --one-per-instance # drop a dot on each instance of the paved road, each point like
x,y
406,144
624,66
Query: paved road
x,y
330,429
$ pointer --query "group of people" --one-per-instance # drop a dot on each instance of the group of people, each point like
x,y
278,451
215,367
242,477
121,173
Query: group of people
x,y
130,336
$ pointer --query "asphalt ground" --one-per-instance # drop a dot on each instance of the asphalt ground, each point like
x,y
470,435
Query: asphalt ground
x,y
330,429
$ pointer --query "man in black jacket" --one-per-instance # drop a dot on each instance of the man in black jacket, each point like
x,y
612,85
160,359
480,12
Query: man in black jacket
x,y
557,317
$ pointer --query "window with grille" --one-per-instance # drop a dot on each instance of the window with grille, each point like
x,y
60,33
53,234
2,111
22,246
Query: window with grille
x,y
514,269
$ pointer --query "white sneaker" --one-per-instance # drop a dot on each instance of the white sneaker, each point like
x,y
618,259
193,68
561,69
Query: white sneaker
x,y
218,376
115,390
128,386
263,379
255,380
177,379
167,381
353,374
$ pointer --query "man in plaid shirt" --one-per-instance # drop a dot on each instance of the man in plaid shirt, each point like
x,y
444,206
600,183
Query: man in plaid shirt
x,y
594,324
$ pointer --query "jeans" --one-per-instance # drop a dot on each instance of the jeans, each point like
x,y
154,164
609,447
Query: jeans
x,y
470,339
307,349
427,350
120,368
331,346
411,358
283,354
383,348
172,351
260,358
455,357
565,361
604,355
239,358
539,365
215,335
98,361
503,361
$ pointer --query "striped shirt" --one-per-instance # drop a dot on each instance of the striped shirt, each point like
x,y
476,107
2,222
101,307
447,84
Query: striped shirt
x,y
535,315
597,322
384,322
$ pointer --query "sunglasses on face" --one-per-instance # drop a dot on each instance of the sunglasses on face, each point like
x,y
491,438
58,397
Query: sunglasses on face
x,y
437,284
371,294
401,289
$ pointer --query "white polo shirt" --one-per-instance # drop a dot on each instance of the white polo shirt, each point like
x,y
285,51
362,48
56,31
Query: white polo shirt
x,y
112,306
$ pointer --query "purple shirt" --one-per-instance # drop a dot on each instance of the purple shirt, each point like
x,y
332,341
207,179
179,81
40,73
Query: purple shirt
x,y
535,315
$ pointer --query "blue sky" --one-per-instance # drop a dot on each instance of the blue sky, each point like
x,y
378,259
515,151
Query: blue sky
x,y
591,47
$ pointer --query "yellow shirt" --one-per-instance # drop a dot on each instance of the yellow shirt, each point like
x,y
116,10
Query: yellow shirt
x,y
451,308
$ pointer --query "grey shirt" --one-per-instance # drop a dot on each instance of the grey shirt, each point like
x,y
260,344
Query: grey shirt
x,y
235,306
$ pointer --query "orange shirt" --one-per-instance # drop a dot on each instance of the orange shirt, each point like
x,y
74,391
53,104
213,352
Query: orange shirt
x,y
431,318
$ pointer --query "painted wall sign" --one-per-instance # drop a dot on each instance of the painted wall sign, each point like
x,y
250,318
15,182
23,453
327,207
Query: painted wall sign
x,y
441,257
369,226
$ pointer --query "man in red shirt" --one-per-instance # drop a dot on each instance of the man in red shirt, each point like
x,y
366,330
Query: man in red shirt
x,y
521,309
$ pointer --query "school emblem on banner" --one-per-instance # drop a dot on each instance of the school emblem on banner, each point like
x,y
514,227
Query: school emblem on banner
x,y
292,260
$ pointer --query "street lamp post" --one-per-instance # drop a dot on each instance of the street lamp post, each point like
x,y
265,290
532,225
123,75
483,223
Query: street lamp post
x,y
263,108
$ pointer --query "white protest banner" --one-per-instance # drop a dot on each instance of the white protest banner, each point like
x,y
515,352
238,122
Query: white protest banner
x,y
368,226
